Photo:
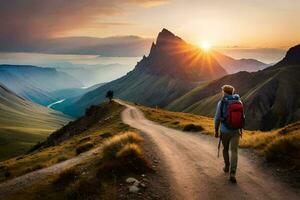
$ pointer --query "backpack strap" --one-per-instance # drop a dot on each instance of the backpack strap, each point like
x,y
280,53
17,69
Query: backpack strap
x,y
221,108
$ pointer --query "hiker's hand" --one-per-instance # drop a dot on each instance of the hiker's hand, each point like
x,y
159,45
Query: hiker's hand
x,y
216,134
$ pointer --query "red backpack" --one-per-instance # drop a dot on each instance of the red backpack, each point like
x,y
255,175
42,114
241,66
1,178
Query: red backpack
x,y
234,115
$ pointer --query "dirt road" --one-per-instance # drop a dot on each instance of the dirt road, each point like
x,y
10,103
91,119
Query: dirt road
x,y
194,170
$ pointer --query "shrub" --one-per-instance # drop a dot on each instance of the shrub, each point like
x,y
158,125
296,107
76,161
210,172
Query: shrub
x,y
66,177
83,189
106,135
61,158
129,150
7,174
284,149
83,148
113,145
129,159
35,167
85,139
193,128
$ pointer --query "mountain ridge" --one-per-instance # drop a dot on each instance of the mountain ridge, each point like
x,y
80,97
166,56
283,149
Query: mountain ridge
x,y
271,96
36,83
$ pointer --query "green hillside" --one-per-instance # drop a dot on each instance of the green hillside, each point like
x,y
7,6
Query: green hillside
x,y
22,123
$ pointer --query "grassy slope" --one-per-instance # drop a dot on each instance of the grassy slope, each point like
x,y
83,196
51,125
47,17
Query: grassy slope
x,y
270,97
280,145
22,124
133,87
121,155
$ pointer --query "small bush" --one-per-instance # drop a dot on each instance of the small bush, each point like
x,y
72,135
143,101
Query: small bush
x,y
192,128
34,168
7,174
61,159
84,189
106,135
175,123
2,167
19,158
113,145
66,177
85,139
129,150
284,149
83,148
129,159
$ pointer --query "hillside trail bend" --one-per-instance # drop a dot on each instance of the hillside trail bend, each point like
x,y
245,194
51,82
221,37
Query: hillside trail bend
x,y
195,172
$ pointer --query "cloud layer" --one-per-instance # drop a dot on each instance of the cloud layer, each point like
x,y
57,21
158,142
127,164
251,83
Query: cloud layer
x,y
24,24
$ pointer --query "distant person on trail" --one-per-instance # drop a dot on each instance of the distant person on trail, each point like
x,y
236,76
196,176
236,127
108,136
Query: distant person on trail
x,y
229,119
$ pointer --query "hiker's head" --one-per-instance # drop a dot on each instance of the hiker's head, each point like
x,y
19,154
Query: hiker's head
x,y
228,89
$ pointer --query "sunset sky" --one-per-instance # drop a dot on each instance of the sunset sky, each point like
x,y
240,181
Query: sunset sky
x,y
237,24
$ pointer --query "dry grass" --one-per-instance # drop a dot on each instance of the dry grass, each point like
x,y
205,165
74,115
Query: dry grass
x,y
179,120
285,149
129,150
113,145
83,188
65,178
281,145
65,150
83,148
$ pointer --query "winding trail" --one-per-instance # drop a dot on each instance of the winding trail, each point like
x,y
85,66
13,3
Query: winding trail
x,y
196,173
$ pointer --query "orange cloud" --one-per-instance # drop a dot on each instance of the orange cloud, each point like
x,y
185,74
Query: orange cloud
x,y
23,22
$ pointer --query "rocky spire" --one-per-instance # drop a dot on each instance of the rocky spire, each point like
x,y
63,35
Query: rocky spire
x,y
165,36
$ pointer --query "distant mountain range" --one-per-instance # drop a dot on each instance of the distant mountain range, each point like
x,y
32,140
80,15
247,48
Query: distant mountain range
x,y
172,68
36,83
271,96
23,123
235,65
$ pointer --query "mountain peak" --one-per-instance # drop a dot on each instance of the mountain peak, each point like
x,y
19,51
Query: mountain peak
x,y
166,37
292,56
165,32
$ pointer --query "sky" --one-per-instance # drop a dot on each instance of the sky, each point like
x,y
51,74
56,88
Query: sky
x,y
127,27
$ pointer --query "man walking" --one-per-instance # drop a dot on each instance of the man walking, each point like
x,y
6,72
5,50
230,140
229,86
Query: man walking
x,y
229,119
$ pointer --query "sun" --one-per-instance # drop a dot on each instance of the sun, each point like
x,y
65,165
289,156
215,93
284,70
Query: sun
x,y
205,46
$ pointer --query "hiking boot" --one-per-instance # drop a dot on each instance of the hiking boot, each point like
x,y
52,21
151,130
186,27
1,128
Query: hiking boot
x,y
232,179
226,169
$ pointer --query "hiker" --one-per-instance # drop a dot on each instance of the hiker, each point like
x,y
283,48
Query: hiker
x,y
229,119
